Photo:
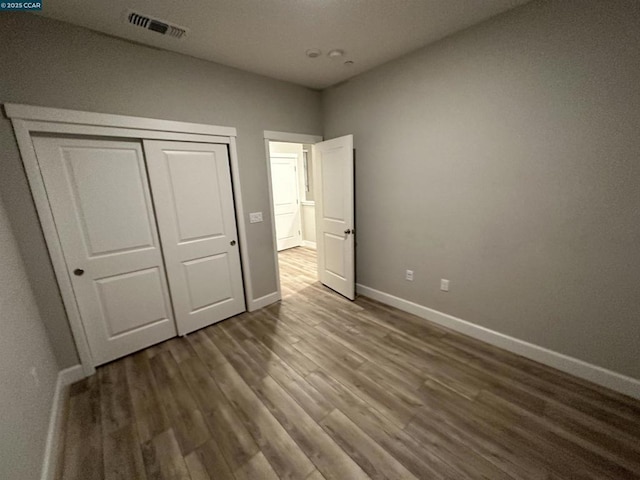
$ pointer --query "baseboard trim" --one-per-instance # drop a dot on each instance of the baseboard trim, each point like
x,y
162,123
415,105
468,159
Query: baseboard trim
x,y
65,378
263,301
309,244
579,368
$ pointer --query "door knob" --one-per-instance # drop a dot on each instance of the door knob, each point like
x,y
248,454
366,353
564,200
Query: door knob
x,y
347,231
78,272
232,243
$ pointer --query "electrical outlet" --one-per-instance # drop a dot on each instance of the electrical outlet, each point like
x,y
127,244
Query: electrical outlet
x,y
409,275
444,285
255,217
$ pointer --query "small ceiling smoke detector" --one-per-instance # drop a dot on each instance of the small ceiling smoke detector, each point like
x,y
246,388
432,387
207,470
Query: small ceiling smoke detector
x,y
313,53
336,53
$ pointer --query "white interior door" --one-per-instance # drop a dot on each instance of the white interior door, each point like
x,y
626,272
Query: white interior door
x,y
191,185
100,200
333,176
286,200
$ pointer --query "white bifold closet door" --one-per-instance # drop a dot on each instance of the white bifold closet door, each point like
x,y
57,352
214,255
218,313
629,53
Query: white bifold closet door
x,y
99,197
191,187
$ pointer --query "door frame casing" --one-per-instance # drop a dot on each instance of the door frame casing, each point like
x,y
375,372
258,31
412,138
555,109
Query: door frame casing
x,y
30,120
271,136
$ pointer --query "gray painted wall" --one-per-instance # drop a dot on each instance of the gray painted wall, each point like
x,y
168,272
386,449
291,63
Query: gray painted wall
x,y
54,64
506,159
24,416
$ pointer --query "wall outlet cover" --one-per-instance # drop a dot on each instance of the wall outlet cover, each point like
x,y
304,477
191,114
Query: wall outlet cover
x,y
255,217
444,285
409,275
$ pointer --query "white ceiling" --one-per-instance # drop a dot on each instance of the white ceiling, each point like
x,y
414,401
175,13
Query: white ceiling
x,y
270,37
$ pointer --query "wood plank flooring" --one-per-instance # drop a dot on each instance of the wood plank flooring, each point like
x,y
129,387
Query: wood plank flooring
x,y
317,387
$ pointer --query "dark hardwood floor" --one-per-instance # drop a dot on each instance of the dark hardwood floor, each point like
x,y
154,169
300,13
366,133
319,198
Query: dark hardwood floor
x,y
317,387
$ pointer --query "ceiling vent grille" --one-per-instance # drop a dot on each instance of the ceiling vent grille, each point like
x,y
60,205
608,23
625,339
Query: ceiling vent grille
x,y
156,25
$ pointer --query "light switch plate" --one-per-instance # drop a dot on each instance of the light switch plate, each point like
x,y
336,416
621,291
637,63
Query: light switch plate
x,y
444,285
255,217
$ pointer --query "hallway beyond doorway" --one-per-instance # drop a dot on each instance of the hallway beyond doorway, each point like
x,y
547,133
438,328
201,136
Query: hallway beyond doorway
x,y
298,270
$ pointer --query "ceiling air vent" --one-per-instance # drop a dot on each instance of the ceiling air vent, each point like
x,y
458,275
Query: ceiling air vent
x,y
155,25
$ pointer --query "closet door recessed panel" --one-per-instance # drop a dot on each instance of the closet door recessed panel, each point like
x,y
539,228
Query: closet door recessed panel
x,y
208,281
195,192
109,223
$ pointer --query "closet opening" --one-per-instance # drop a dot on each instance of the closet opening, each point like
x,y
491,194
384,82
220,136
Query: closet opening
x,y
140,220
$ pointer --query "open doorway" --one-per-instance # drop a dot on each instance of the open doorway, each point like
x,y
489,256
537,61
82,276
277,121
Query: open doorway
x,y
312,183
293,203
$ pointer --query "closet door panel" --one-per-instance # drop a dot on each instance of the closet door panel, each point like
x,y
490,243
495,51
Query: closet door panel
x,y
191,185
197,206
99,196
